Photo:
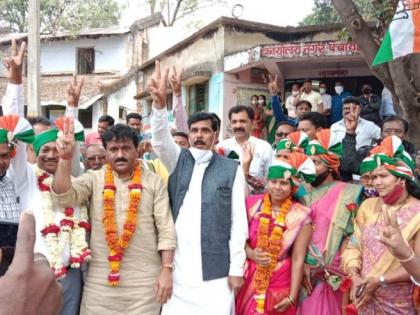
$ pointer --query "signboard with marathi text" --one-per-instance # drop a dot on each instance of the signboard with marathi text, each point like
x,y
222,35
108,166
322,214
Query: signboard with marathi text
x,y
314,49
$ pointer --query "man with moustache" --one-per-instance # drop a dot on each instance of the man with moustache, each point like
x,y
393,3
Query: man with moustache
x,y
241,118
207,199
27,178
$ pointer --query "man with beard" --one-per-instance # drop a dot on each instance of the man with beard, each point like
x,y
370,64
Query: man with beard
x,y
208,205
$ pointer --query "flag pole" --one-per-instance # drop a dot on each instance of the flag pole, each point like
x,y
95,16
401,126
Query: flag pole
x,y
34,54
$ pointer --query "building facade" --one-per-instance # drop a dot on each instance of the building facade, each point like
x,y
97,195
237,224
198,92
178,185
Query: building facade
x,y
230,59
106,58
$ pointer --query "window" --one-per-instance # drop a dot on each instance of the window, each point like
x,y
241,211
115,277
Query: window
x,y
85,60
198,98
85,117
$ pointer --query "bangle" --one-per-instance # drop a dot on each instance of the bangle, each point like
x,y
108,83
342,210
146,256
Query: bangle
x,y
417,283
291,300
409,258
168,266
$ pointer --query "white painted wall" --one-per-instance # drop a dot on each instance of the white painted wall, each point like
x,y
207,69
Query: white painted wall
x,y
111,54
162,38
124,98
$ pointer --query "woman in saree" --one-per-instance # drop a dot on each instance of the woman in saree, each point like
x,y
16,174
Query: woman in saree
x,y
279,233
381,285
333,204
296,141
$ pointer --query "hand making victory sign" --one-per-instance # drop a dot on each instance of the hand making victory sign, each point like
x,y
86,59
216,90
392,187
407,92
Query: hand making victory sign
x,y
14,63
157,86
175,81
74,90
65,142
351,119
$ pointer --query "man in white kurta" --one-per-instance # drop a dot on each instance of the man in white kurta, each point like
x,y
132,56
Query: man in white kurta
x,y
191,294
241,122
24,178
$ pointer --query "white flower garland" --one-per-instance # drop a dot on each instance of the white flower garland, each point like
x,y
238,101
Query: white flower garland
x,y
70,233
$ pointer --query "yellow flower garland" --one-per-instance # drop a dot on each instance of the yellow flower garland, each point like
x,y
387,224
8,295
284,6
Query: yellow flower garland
x,y
116,244
270,243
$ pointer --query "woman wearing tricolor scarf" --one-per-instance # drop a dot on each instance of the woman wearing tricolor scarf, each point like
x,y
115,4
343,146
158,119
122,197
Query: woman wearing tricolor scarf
x,y
279,233
333,204
294,142
380,284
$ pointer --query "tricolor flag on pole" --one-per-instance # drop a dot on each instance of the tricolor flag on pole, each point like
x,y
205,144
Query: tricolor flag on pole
x,y
403,36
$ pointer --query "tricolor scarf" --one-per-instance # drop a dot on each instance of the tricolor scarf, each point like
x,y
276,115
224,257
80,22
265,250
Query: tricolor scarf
x,y
392,156
14,128
329,149
53,134
295,141
299,166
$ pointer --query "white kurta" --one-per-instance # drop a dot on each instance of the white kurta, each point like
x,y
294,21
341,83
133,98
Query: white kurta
x,y
191,295
263,155
20,172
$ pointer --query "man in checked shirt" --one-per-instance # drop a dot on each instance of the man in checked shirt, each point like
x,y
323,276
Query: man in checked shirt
x,y
15,132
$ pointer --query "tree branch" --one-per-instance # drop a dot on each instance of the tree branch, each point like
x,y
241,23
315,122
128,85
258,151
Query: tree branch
x,y
178,4
362,35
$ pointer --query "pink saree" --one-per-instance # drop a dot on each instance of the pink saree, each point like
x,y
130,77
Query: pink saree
x,y
332,222
280,280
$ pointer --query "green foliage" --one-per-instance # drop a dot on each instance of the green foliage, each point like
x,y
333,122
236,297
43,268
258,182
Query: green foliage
x,y
61,15
325,13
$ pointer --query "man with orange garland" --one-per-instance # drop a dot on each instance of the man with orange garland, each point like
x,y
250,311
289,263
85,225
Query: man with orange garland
x,y
131,267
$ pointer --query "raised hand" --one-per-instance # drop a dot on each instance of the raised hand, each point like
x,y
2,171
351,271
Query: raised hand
x,y
65,142
391,237
247,156
74,90
351,119
13,64
175,81
157,86
272,85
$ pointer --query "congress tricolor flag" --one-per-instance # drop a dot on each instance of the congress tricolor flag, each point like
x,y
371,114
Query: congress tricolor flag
x,y
403,36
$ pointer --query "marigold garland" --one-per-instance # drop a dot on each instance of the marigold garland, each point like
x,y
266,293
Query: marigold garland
x,y
116,244
270,243
70,232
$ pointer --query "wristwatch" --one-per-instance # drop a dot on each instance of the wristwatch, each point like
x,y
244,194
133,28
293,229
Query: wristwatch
x,y
168,266
382,281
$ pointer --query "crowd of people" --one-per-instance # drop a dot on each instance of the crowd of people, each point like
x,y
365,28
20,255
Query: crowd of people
x,y
313,211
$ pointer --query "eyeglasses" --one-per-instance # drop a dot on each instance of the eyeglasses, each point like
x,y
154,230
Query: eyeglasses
x,y
395,130
97,157
282,134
